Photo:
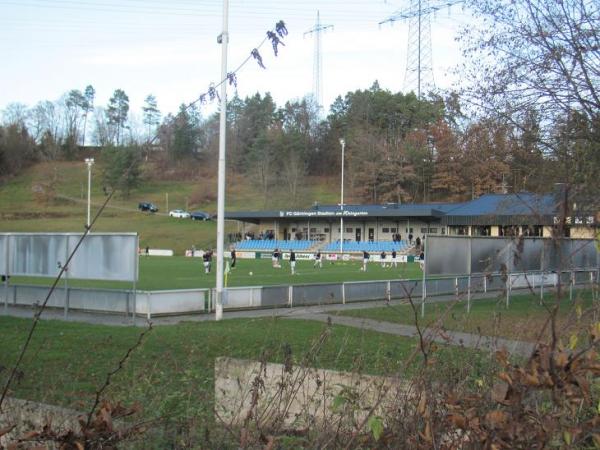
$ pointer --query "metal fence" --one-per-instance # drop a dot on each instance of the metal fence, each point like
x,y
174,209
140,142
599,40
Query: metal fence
x,y
448,255
100,256
189,301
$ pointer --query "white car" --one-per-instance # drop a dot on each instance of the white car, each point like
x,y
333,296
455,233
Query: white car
x,y
179,214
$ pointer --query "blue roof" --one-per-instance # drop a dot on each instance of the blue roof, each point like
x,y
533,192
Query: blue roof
x,y
498,209
523,203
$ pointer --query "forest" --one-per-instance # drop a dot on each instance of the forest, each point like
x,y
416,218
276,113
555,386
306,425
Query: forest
x,y
526,115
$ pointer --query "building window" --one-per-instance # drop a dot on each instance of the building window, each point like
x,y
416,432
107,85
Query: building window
x,y
443,230
385,230
484,230
313,230
326,230
423,230
348,230
393,230
433,230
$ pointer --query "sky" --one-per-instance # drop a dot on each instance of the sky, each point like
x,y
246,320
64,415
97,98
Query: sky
x,y
169,48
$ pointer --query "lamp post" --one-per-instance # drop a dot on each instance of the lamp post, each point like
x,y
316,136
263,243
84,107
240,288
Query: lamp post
x,y
222,39
89,162
343,144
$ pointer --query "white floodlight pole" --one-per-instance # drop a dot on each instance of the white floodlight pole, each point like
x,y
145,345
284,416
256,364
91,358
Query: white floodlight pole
x,y
343,144
89,162
223,39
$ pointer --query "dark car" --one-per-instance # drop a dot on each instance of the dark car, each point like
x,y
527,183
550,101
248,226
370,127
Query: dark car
x,y
146,206
200,215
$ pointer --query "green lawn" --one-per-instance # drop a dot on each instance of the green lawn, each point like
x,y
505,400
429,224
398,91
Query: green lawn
x,y
172,374
179,272
21,209
524,318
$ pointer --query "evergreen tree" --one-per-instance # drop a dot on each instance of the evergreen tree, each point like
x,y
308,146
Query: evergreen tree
x,y
89,95
122,168
151,114
117,112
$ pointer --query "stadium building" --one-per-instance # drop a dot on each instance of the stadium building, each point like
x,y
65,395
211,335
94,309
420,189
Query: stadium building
x,y
490,215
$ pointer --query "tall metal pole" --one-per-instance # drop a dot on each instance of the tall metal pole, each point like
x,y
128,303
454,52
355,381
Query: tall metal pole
x,y
343,144
90,163
223,39
419,57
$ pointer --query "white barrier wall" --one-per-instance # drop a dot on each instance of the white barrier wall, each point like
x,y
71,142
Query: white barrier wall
x,y
183,301
153,303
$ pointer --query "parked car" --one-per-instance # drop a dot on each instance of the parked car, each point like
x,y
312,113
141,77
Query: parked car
x,y
200,215
147,206
179,214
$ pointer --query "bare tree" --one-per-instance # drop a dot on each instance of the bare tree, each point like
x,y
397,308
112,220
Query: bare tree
x,y
15,114
539,57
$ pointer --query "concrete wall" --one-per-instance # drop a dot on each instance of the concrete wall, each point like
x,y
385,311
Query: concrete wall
x,y
32,416
300,396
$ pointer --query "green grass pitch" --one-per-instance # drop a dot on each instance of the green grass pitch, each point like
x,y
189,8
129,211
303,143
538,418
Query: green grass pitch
x,y
178,272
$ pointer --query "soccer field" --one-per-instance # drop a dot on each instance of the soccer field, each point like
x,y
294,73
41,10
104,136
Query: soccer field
x,y
178,272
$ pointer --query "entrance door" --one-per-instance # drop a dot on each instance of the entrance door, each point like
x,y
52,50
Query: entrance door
x,y
358,235
371,234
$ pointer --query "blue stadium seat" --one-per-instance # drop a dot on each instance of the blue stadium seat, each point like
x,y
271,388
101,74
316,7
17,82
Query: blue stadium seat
x,y
270,245
371,247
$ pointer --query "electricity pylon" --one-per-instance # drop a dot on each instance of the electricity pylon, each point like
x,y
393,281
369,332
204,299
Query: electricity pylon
x,y
318,61
419,64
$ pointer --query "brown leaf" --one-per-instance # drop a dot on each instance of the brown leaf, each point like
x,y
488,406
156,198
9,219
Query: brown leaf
x,y
502,356
459,421
422,405
531,379
427,435
29,435
561,359
505,377
496,418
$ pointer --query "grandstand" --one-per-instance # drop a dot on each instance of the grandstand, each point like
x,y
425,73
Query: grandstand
x,y
272,244
365,227
306,246
369,246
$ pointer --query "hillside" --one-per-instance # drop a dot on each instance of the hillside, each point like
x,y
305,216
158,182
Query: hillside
x,y
52,196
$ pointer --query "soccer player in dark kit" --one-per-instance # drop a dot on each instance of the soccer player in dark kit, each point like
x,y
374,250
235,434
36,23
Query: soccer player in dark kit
x,y
318,260
207,258
233,258
293,261
365,260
